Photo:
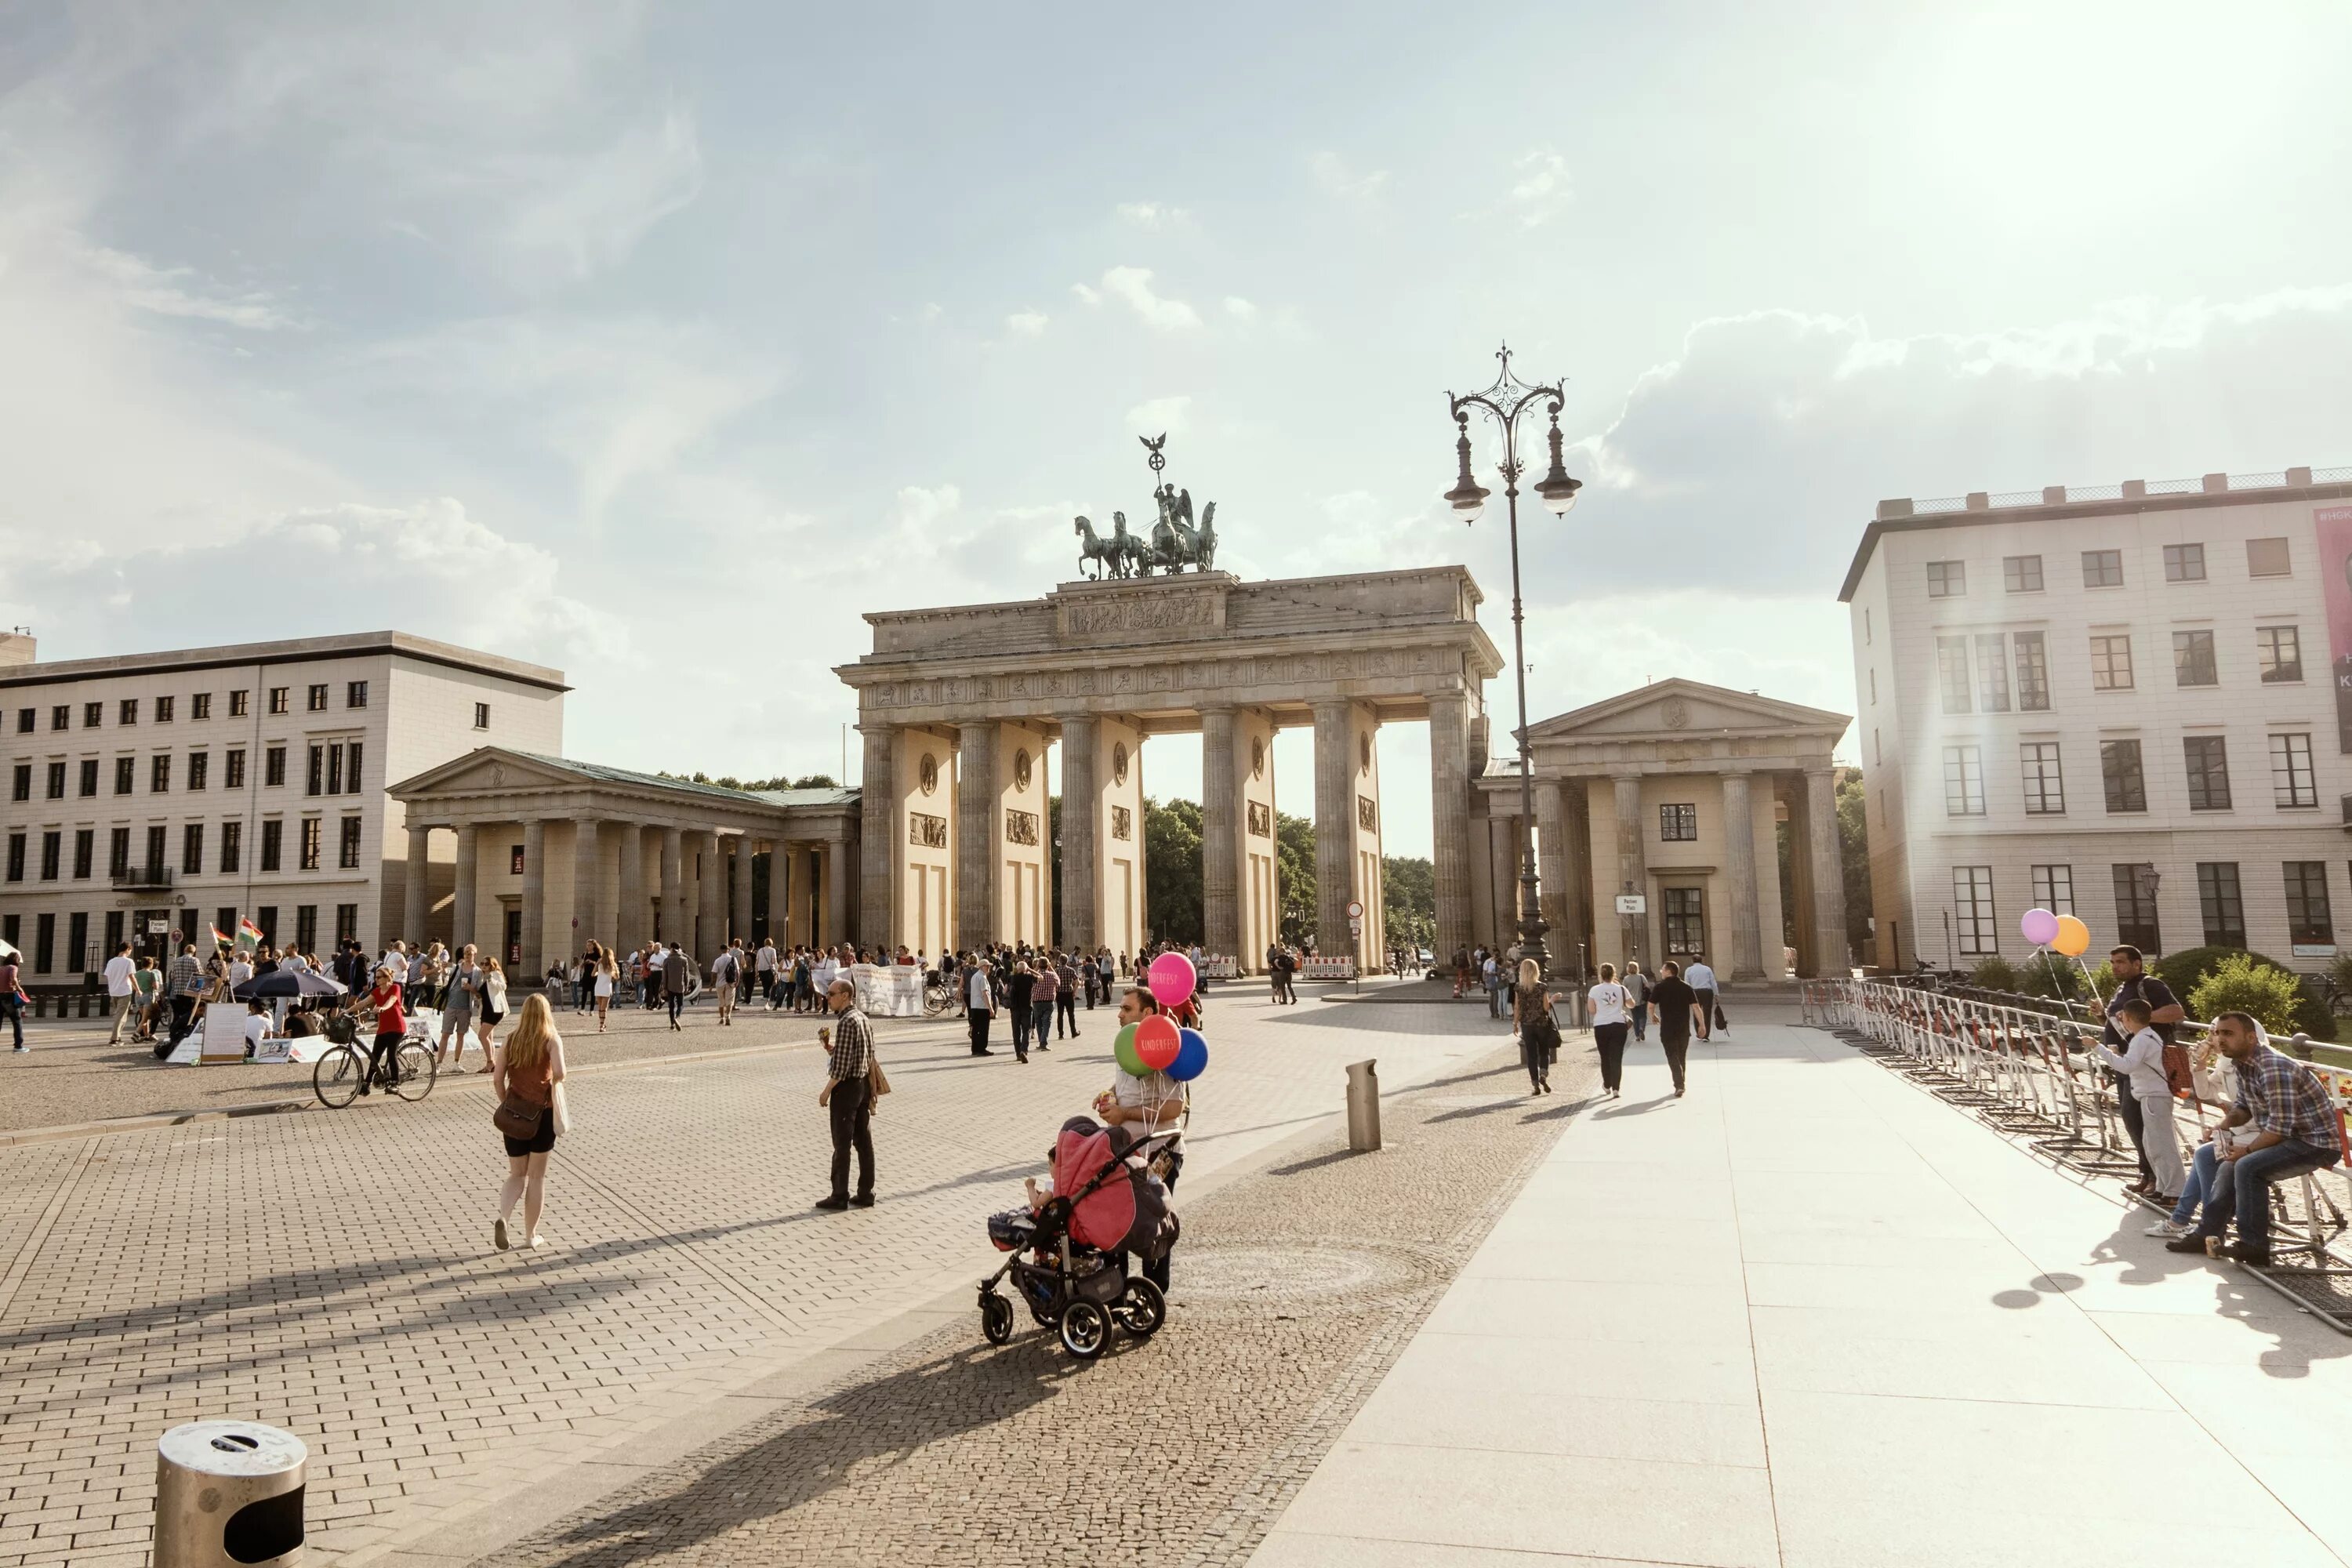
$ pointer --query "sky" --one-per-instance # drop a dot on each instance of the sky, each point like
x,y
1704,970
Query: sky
x,y
658,344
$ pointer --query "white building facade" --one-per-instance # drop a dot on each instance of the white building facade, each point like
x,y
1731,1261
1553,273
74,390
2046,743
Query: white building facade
x,y
154,793
2122,703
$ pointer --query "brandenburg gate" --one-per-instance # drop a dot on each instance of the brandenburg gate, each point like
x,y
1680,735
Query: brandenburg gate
x,y
958,707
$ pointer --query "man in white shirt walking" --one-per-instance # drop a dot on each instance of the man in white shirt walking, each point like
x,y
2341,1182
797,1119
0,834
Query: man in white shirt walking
x,y
765,962
119,989
1701,980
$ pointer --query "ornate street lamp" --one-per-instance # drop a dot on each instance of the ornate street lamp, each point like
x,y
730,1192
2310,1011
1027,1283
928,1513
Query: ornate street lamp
x,y
1505,401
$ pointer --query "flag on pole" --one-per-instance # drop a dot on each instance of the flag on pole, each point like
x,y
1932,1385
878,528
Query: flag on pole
x,y
247,934
220,937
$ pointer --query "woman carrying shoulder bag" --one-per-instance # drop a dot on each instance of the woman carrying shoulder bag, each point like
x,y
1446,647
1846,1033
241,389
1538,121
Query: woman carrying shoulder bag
x,y
491,1008
530,1085
1539,1030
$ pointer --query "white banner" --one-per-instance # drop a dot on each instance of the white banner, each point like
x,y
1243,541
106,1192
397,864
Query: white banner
x,y
889,990
223,1028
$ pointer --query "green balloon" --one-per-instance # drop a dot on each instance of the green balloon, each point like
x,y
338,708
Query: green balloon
x,y
1122,1045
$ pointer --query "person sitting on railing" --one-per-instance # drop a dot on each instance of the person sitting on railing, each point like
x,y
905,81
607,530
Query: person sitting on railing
x,y
2141,1065
2295,1132
2215,1080
2134,984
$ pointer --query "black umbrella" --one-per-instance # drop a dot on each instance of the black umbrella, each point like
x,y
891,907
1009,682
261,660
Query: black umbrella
x,y
288,983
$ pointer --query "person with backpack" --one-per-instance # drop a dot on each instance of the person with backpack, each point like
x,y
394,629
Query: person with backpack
x,y
2134,984
1637,987
725,971
2141,1066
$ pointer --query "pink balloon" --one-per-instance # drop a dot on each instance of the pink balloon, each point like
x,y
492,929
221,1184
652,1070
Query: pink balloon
x,y
2039,926
1171,978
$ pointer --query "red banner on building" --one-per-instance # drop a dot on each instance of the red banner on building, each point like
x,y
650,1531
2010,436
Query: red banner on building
x,y
2334,526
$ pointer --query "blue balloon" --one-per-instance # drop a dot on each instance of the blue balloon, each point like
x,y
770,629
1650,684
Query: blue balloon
x,y
1191,1056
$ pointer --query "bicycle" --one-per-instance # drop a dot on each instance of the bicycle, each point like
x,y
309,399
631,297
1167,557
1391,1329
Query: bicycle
x,y
336,1078
939,995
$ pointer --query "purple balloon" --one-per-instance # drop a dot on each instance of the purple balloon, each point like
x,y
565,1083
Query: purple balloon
x,y
1171,978
2039,926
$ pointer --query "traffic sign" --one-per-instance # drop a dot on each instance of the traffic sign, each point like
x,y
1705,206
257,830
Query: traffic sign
x,y
1632,904
1355,909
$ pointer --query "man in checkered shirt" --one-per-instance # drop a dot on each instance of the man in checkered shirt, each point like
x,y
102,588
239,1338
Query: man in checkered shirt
x,y
2296,1131
849,1093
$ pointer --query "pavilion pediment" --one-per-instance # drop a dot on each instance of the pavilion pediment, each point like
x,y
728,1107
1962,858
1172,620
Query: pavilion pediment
x,y
1667,709
487,770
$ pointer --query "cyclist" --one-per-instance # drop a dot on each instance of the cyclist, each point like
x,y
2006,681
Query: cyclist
x,y
391,1029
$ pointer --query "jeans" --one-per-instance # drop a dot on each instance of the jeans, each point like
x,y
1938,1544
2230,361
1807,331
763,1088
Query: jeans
x,y
1494,1000
2195,1189
1610,1039
1022,1017
676,1001
851,1106
1706,1013
1041,1022
1641,1020
1066,1015
2247,1180
14,1011
1677,1052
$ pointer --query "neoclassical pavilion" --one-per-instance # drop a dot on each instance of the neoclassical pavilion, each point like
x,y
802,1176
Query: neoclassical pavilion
x,y
549,853
1675,793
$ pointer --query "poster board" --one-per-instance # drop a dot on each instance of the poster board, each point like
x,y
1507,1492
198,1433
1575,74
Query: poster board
x,y
889,990
222,1030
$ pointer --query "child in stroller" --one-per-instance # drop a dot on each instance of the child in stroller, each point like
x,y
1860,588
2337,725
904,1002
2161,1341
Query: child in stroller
x,y
1070,1250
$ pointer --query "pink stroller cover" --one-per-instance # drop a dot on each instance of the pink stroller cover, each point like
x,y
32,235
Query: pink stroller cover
x,y
1104,1216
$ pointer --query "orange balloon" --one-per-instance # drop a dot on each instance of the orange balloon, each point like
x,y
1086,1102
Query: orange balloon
x,y
2073,938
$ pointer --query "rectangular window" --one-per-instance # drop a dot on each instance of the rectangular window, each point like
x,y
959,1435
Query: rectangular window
x,y
113,931
129,710
334,770
2184,564
2192,660
2021,573
2293,782
20,781
352,769
2033,673
192,849
1992,672
126,775
2279,649
163,710
25,718
52,850
155,862
317,698
2111,664
78,942
312,779
199,764
232,768
89,777
1946,579
278,703
2045,788
118,852
232,842
2209,772
2219,900
2266,558
2119,769
56,781
2103,569
1678,824
355,694
1952,673
266,916
240,703
514,860
224,918
45,943
2135,885
1684,916
1963,781
2053,889
347,924
481,715
2309,921
200,706
311,838
61,716
1972,912
85,851
16,857
159,774
273,841
273,767
347,851
305,927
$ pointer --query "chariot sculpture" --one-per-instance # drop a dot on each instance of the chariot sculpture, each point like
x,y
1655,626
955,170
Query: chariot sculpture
x,y
1173,544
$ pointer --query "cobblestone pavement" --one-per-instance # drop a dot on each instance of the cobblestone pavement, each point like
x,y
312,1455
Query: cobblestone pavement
x,y
1295,1289
330,1272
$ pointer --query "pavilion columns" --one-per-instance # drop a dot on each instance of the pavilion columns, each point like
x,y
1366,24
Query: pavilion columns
x,y
470,865
877,845
1633,865
676,925
741,843
1746,950
588,884
976,832
1221,790
1503,856
1081,817
629,920
416,894
1560,898
837,893
1826,863
532,963
1449,794
711,886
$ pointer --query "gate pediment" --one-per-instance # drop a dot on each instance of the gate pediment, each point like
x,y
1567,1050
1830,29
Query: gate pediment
x,y
1144,610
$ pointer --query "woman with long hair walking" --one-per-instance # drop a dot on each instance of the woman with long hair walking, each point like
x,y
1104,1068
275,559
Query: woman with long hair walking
x,y
530,1070
1538,1031
607,976
492,1009
1613,1014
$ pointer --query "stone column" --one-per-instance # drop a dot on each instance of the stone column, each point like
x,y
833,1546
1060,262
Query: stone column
x,y
1633,865
587,879
837,894
976,809
1576,876
877,881
1220,911
629,918
1828,876
1335,828
469,861
1449,797
414,900
1745,948
534,900
1081,812
741,843
1555,898
710,931
677,926
1504,869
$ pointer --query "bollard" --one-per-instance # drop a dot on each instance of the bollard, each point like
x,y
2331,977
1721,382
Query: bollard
x,y
1363,1107
228,1492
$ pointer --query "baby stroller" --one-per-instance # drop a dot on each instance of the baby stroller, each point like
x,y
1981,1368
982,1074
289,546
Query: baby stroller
x,y
1069,1258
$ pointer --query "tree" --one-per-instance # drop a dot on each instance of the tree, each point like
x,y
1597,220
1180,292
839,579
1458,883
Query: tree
x,y
1854,845
1172,870
2238,983
1293,865
814,781
1409,900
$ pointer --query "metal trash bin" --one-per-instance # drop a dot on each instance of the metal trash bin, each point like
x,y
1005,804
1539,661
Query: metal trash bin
x,y
1363,1107
228,1492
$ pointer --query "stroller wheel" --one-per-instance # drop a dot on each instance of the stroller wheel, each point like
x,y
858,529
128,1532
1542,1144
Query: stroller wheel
x,y
1140,1309
1086,1329
995,1318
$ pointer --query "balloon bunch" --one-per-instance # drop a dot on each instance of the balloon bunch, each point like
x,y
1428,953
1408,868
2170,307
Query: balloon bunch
x,y
2061,933
1157,1044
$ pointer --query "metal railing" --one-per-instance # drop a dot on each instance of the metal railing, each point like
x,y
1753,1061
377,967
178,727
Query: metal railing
x,y
2029,1071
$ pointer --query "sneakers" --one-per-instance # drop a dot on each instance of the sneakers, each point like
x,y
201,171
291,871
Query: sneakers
x,y
833,1205
499,1235
2167,1229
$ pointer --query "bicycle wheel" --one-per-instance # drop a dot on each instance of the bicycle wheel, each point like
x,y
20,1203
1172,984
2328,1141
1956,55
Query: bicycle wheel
x,y
336,1076
415,1068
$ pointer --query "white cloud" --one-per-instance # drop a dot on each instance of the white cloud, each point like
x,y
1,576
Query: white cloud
x,y
1024,323
1154,214
1161,416
588,211
1336,176
177,291
1540,188
1239,308
1085,295
921,510
1131,286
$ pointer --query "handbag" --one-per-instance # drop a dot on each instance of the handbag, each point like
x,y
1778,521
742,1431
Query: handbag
x,y
562,1112
518,1115
876,1080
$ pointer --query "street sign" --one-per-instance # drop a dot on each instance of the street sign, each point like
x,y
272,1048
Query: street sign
x,y
157,927
1355,909
1632,903
1356,928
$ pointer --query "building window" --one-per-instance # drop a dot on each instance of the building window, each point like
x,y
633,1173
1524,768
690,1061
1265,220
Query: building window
x,y
2184,564
2293,783
355,694
2219,900
1678,824
315,777
20,781
199,764
334,770
2053,889
25,718
1946,579
88,782
1992,672
2045,788
1972,914
347,850
113,931
240,703
56,781
273,767
305,927
1685,921
200,706
2021,573
273,839
2033,673
2119,769
126,775
2111,664
61,716
129,710
318,697
2309,922
234,768
163,710
159,774
16,857
2103,569
1952,672
45,943
352,769
85,851
52,849
278,703
2136,924
347,924
2209,772
514,860
265,918
1963,781
2192,660
2266,558
192,849
78,942
481,715
312,838
118,852
155,860
232,842
2280,650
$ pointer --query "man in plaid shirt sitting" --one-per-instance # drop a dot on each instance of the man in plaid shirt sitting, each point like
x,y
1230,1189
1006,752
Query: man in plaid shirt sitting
x,y
2296,1131
849,1092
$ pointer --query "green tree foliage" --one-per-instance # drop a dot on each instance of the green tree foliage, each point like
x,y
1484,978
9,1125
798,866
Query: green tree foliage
x,y
1409,900
1294,854
1172,870
1994,974
2185,970
2238,983
729,781
1854,844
